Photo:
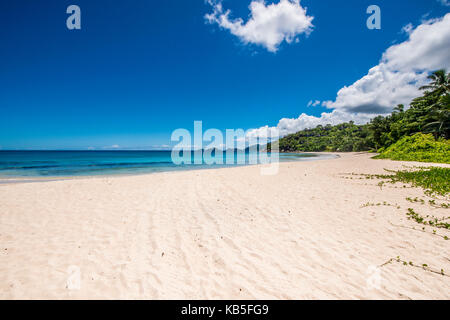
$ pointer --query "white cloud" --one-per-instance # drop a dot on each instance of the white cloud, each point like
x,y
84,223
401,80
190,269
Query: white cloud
x,y
379,91
428,48
444,2
408,28
395,80
114,146
313,103
402,70
268,25
291,125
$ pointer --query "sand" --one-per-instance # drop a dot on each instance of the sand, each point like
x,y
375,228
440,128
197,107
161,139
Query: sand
x,y
221,234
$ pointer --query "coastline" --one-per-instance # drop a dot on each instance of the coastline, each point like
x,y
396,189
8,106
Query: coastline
x,y
7,179
226,233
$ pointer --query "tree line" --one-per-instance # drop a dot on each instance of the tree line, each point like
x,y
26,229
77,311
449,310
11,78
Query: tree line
x,y
429,113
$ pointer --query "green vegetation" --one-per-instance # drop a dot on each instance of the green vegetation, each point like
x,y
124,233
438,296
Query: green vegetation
x,y
432,221
395,136
419,147
434,180
368,204
342,137
423,266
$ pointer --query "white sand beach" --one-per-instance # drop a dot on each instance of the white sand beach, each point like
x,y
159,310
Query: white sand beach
x,y
221,234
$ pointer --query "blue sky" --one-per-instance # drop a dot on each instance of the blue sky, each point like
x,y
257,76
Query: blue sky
x,y
137,70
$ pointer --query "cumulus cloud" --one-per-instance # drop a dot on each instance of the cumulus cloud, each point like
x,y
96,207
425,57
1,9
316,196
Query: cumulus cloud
x,y
291,125
428,48
401,71
379,91
268,24
403,68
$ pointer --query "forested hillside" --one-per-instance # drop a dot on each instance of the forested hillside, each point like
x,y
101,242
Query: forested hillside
x,y
429,113
342,137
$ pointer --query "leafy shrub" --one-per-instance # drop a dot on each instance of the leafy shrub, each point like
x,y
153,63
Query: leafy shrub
x,y
418,147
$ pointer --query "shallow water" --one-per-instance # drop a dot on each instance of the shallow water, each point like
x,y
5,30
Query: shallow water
x,y
89,163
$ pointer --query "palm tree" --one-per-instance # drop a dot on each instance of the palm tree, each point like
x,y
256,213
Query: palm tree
x,y
440,112
435,104
439,85
399,108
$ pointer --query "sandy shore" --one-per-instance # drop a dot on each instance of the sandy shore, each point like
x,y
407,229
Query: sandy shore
x,y
220,234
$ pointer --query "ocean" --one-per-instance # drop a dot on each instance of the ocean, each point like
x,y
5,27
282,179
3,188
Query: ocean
x,y
91,163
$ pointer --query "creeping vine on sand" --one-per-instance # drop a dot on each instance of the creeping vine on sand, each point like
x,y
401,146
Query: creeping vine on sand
x,y
433,180
431,202
423,266
435,222
384,203
420,230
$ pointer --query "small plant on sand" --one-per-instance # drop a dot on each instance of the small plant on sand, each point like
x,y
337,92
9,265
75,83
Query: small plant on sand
x,y
438,205
423,229
384,203
416,199
431,202
423,266
428,220
434,180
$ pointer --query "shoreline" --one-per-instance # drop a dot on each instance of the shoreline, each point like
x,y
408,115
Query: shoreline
x,y
221,234
33,179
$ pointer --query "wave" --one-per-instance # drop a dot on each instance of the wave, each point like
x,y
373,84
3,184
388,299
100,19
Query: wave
x,y
88,165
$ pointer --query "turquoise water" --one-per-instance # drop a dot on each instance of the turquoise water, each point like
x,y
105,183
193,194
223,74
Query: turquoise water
x,y
87,163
